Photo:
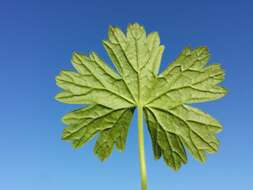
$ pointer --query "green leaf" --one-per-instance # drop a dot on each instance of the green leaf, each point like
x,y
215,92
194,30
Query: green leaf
x,y
112,96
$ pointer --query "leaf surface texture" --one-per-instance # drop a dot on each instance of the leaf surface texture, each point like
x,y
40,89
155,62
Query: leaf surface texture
x,y
110,97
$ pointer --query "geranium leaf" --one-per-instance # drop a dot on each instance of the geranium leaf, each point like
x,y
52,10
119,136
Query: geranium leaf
x,y
174,126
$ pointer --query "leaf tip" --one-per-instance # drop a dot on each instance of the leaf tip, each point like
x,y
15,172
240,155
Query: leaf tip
x,y
135,30
57,97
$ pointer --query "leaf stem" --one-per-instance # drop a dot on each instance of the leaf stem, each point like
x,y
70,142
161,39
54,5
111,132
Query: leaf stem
x,y
141,149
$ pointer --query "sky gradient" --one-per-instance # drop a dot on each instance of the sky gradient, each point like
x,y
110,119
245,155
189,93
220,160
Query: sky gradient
x,y
37,39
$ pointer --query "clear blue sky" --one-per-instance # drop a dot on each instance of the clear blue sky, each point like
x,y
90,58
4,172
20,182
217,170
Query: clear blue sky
x,y
36,42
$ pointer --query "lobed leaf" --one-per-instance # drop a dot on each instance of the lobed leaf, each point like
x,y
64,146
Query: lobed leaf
x,y
174,126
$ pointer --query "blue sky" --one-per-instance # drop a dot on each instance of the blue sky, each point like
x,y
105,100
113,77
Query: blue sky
x,y
37,39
